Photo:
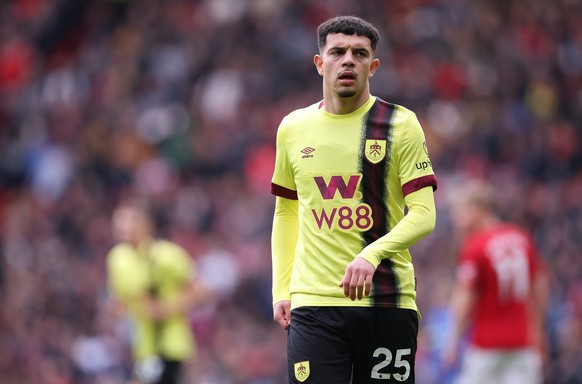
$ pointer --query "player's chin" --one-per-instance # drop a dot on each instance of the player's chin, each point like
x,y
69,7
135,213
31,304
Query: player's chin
x,y
344,94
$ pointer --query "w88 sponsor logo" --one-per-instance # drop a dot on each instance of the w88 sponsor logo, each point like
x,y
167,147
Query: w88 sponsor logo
x,y
344,217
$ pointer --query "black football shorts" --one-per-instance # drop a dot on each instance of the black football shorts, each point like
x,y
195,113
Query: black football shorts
x,y
357,345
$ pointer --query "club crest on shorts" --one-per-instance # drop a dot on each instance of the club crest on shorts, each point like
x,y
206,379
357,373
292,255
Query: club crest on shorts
x,y
302,371
375,150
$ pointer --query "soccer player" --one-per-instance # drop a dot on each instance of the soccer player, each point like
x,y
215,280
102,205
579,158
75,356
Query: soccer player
x,y
152,279
346,167
500,292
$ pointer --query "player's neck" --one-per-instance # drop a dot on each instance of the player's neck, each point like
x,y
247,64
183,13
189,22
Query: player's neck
x,y
489,222
143,245
343,105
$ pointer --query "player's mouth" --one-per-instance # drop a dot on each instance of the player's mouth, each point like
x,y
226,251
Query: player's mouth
x,y
347,77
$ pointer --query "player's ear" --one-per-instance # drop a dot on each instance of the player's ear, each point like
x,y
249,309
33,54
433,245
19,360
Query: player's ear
x,y
374,66
318,61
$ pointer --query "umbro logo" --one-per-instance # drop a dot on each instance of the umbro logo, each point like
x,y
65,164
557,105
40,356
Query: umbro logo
x,y
307,152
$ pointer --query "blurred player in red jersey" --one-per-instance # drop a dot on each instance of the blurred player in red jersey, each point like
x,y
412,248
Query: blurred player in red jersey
x,y
500,294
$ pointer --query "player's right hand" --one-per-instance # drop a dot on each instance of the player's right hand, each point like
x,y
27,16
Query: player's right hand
x,y
357,280
282,313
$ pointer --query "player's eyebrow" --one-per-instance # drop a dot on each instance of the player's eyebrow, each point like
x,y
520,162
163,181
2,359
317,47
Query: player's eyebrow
x,y
344,48
361,50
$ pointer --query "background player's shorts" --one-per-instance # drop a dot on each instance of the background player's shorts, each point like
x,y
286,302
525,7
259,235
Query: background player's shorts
x,y
156,370
352,344
500,366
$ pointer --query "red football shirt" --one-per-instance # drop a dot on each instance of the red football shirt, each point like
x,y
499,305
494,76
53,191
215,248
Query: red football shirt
x,y
500,264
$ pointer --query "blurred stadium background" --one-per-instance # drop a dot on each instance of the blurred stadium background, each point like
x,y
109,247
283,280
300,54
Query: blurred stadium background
x,y
181,100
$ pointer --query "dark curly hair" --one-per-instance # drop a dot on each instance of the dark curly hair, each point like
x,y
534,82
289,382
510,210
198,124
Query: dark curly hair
x,y
348,25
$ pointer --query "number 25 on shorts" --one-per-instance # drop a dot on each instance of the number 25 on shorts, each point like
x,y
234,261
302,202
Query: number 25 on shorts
x,y
399,364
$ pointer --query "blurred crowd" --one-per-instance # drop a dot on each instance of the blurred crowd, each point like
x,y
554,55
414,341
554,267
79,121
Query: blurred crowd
x,y
179,100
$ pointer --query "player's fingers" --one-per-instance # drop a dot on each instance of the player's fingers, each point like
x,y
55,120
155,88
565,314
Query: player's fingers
x,y
283,323
287,318
353,287
282,314
345,283
360,287
282,319
368,286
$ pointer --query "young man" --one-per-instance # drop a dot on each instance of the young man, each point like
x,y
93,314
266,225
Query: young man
x,y
346,167
500,290
151,279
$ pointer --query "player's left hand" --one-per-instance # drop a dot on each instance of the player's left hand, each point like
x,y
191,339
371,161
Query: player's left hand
x,y
357,280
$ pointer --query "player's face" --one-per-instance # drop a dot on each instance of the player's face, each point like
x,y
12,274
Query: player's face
x,y
346,63
130,225
466,216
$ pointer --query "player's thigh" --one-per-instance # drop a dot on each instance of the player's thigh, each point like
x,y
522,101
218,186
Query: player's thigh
x,y
317,351
524,366
480,366
385,343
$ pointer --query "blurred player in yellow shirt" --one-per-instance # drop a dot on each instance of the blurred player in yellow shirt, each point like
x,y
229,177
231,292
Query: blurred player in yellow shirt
x,y
152,280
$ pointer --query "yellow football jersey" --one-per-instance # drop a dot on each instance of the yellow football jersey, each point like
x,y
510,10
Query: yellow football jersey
x,y
132,274
350,174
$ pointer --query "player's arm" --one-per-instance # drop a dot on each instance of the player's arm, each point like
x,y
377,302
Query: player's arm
x,y
123,296
285,226
190,294
283,242
192,290
418,190
461,305
540,298
418,222
115,306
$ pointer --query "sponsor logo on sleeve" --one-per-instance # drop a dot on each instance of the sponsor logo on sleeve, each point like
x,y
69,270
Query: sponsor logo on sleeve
x,y
422,165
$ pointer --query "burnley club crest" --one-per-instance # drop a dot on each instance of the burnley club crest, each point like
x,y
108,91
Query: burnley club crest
x,y
375,150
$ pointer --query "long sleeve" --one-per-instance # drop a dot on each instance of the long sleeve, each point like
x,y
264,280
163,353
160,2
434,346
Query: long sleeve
x,y
283,242
418,222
